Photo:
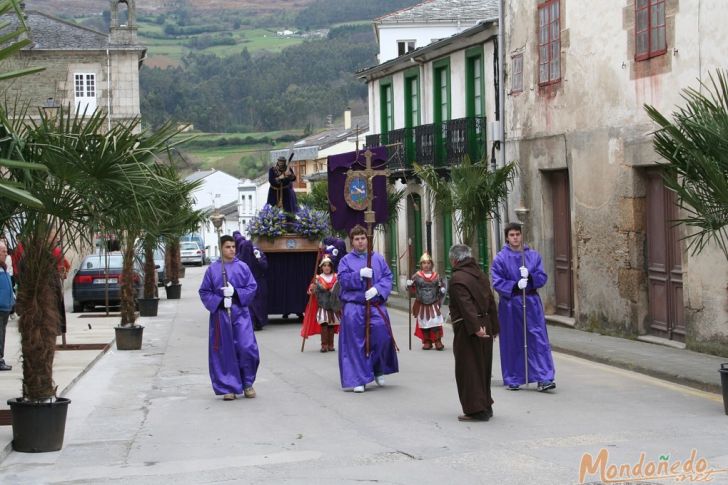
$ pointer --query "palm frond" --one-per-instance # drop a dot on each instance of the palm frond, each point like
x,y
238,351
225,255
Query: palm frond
x,y
694,146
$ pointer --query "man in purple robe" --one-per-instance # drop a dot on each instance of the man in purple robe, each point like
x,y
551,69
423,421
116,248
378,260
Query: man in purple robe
x,y
226,291
515,270
258,264
281,193
358,369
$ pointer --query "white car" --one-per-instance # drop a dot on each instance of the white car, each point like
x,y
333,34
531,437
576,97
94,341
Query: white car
x,y
191,253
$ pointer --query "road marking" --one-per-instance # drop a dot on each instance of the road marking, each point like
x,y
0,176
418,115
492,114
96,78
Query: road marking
x,y
641,377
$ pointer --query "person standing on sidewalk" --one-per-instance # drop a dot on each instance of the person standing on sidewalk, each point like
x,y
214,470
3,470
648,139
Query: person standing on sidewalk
x,y
429,290
7,301
227,289
356,367
475,324
516,270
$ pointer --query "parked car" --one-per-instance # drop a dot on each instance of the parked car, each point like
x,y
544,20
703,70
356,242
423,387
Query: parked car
x,y
91,278
190,252
200,242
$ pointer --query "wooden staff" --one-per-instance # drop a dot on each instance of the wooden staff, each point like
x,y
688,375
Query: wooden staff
x,y
368,313
409,290
315,271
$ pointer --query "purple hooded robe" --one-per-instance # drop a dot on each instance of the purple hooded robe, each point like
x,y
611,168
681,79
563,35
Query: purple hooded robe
x,y
246,253
505,275
233,351
355,367
340,246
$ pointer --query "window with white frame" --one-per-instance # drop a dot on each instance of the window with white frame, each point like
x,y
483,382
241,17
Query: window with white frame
x,y
85,92
405,46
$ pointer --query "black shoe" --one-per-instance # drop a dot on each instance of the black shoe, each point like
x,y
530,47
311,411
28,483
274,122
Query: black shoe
x,y
546,386
6,367
489,412
513,388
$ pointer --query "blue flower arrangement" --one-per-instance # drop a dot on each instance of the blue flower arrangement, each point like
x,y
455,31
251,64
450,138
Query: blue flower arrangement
x,y
310,223
270,222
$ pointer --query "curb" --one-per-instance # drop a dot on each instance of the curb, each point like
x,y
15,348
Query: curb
x,y
665,376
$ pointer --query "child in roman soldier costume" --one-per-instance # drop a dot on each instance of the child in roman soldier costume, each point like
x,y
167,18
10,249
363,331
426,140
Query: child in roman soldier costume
x,y
429,289
325,290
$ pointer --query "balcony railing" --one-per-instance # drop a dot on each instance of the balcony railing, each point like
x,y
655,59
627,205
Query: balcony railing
x,y
440,144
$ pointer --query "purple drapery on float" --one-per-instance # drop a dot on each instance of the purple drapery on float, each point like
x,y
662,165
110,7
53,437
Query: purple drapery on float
x,y
343,217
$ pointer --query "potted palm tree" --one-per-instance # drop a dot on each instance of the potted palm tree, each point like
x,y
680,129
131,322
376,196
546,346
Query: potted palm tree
x,y
76,172
471,192
134,209
181,220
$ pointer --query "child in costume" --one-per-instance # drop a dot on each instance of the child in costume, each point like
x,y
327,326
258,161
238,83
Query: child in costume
x,y
429,289
326,290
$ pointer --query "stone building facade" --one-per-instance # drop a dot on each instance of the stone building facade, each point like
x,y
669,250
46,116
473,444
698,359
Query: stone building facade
x,y
590,188
84,69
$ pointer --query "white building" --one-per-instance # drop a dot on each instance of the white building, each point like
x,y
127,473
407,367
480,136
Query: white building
x,y
430,106
248,204
411,28
218,190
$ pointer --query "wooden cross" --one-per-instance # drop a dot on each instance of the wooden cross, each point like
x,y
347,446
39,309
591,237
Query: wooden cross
x,y
370,173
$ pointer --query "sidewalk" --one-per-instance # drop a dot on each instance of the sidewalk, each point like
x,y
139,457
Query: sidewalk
x,y
684,367
87,329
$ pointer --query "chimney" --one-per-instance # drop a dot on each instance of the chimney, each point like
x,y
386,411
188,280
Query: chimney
x,y
347,118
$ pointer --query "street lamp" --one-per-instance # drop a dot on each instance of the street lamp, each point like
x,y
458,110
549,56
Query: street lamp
x,y
50,108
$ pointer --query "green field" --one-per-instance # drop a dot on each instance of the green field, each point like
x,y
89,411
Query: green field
x,y
164,52
239,160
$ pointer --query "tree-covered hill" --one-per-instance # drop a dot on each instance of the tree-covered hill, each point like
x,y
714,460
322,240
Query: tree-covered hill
x,y
299,87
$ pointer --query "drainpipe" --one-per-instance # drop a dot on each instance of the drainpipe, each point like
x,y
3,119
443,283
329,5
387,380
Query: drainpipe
x,y
108,89
501,111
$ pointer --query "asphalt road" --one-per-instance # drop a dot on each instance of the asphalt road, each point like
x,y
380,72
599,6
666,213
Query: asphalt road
x,y
151,417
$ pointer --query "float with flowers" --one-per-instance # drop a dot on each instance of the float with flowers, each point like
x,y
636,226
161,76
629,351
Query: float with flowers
x,y
292,244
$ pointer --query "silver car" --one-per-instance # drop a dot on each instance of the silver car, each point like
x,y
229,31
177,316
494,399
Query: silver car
x,y
191,253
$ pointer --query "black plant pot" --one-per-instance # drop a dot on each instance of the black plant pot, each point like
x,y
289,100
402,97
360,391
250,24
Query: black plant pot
x,y
174,292
38,427
148,306
129,338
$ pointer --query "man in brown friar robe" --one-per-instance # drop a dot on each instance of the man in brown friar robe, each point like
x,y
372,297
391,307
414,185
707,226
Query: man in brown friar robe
x,y
475,324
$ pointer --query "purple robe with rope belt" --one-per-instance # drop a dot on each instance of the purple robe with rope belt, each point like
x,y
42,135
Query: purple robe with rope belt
x,y
233,351
246,253
505,275
355,367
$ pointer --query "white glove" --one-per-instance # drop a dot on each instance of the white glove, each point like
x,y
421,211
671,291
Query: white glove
x,y
410,282
228,291
524,272
366,272
256,253
443,290
371,293
228,302
522,283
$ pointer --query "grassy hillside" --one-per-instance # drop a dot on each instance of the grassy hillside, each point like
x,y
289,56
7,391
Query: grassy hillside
x,y
243,155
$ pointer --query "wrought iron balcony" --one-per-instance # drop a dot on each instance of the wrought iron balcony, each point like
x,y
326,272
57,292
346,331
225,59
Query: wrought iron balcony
x,y
440,144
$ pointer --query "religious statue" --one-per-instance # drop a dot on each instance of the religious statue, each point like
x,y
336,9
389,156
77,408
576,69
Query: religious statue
x,y
281,193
